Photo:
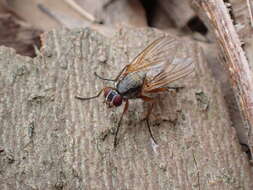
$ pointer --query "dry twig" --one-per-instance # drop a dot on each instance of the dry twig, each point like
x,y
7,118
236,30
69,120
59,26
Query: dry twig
x,y
80,10
216,14
250,7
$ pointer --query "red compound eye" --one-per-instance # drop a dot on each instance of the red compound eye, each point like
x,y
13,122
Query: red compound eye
x,y
117,101
106,91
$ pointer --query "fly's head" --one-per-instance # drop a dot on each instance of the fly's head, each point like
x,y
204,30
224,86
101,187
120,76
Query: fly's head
x,y
112,97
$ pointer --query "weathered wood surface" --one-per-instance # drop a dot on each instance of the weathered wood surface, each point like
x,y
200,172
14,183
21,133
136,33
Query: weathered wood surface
x,y
179,11
50,140
216,15
242,17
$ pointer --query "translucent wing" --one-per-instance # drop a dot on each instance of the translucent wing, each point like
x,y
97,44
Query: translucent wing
x,y
155,55
164,61
181,66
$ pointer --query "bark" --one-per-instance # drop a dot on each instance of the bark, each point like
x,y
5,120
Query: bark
x,y
215,13
179,11
50,140
124,12
17,35
242,17
47,14
160,18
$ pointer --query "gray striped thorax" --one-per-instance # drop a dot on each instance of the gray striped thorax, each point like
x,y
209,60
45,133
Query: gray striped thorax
x,y
131,84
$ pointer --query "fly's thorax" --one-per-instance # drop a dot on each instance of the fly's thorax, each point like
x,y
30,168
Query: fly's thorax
x,y
112,97
131,84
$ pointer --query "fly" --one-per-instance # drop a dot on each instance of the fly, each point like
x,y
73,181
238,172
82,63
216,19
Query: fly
x,y
150,72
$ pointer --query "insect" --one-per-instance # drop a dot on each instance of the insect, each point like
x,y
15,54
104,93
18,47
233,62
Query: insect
x,y
159,64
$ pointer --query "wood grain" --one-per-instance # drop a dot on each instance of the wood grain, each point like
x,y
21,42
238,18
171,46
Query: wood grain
x,y
50,140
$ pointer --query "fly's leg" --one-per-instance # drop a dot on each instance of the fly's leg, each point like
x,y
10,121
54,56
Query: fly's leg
x,y
146,118
113,80
96,96
92,97
119,124
102,78
151,105
121,72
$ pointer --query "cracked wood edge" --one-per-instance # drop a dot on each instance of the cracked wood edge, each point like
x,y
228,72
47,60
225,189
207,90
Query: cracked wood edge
x,y
217,16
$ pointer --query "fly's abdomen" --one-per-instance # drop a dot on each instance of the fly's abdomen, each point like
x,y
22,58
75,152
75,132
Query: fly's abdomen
x,y
131,84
